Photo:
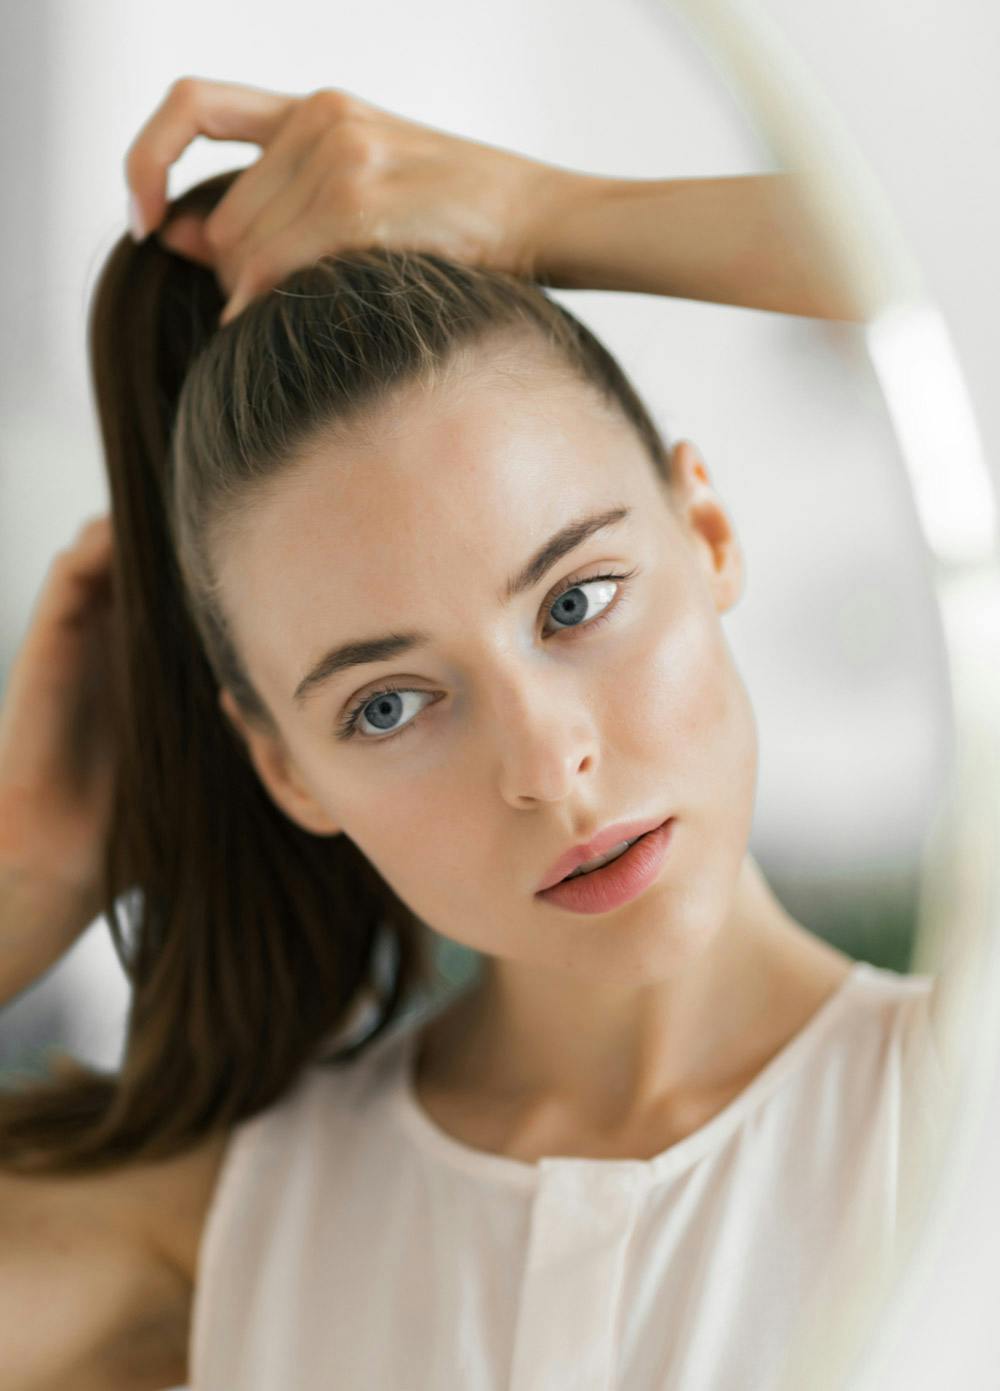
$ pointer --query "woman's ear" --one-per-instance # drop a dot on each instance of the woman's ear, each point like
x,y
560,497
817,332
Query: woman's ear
x,y
706,521
278,772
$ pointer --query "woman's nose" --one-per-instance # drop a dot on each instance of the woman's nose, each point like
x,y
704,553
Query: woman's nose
x,y
546,741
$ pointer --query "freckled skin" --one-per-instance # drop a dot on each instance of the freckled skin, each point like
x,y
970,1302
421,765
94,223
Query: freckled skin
x,y
539,738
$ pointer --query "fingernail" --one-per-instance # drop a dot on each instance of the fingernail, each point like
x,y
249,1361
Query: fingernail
x,y
136,221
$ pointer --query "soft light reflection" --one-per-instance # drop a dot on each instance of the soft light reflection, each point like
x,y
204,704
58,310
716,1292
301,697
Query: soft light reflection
x,y
915,362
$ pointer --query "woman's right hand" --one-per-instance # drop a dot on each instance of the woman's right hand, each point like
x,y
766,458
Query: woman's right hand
x,y
56,737
337,172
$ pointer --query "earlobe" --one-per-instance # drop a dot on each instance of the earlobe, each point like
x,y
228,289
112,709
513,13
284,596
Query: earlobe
x,y
726,556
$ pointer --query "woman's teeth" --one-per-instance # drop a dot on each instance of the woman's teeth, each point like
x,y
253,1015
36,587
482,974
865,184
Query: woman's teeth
x,y
599,860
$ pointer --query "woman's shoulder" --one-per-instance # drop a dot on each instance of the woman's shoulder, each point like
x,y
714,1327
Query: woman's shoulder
x,y
155,1205
162,1206
108,1261
166,1202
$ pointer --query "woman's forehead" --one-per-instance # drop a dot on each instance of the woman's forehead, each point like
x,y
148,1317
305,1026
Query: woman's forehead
x,y
448,468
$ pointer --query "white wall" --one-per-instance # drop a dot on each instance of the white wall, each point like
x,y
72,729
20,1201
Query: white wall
x,y
836,634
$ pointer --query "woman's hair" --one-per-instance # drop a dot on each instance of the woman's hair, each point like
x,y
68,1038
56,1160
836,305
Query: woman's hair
x,y
247,941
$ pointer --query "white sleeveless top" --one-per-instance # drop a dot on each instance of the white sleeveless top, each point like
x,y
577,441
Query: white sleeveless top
x,y
353,1245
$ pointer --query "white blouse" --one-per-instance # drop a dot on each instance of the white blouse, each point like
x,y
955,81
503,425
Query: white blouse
x,y
351,1243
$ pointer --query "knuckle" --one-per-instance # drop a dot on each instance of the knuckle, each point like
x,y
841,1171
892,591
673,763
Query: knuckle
x,y
332,103
183,91
182,94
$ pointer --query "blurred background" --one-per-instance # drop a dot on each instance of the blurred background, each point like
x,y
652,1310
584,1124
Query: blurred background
x,y
835,635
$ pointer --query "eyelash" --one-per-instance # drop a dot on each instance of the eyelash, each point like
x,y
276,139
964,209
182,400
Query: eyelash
x,y
346,728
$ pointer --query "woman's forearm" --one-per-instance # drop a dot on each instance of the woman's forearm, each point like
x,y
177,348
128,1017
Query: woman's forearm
x,y
742,240
39,922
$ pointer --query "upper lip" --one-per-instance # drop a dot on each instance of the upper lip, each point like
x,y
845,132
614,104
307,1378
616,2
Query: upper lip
x,y
604,840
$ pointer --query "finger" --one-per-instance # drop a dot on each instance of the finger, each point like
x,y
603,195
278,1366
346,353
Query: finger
x,y
78,572
300,243
277,242
92,545
193,107
261,184
223,239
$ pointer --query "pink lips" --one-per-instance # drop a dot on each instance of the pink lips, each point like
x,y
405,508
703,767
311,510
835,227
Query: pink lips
x,y
605,840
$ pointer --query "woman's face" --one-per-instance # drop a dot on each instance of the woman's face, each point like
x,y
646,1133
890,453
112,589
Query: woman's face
x,y
523,726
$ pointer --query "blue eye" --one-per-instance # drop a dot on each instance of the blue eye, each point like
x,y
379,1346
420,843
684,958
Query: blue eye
x,y
388,702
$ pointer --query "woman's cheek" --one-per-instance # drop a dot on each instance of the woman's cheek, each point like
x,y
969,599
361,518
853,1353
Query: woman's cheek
x,y
677,693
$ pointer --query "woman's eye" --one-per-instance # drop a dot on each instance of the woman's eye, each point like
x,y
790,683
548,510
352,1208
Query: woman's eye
x,y
379,711
574,606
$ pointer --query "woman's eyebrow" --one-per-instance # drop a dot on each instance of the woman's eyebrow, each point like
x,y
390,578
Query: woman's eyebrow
x,y
390,645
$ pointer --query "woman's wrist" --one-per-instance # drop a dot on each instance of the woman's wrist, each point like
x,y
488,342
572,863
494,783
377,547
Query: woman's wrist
x,y
745,240
579,240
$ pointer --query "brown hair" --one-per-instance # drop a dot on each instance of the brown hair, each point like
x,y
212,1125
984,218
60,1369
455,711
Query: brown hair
x,y
247,940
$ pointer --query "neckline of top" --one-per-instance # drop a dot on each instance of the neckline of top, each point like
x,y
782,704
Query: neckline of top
x,y
405,1105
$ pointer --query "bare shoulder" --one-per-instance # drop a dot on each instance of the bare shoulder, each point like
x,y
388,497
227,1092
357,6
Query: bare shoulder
x,y
165,1203
98,1271
159,1205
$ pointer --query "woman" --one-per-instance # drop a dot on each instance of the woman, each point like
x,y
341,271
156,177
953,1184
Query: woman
x,y
319,693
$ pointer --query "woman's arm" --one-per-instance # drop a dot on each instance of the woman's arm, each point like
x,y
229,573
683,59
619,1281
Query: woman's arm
x,y
744,240
57,758
337,171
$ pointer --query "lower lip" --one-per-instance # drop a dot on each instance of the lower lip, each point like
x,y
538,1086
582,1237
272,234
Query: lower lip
x,y
615,883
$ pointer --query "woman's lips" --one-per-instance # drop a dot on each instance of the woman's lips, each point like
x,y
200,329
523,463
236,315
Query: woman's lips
x,y
615,884
605,840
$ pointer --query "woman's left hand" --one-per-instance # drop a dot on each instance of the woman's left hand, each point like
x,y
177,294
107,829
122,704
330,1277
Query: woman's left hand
x,y
337,172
